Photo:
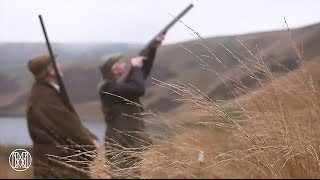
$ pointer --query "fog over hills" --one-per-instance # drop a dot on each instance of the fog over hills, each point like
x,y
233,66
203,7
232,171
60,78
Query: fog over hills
x,y
174,63
16,54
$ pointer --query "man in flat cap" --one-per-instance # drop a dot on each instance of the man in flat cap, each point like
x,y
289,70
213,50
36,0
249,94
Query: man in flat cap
x,y
122,110
51,124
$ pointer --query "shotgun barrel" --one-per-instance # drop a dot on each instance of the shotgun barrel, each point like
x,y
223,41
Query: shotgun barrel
x,y
63,90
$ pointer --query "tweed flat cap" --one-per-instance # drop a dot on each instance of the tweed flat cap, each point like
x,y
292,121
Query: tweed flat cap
x,y
39,63
107,63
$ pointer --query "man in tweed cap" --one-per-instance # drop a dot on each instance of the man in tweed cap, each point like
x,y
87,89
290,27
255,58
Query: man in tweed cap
x,y
51,123
125,129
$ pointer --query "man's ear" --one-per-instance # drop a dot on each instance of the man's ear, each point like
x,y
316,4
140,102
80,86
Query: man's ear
x,y
125,74
51,71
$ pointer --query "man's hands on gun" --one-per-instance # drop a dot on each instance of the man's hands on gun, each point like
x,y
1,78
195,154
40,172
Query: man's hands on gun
x,y
157,42
96,144
137,61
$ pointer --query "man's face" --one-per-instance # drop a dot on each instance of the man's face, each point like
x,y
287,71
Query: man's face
x,y
52,72
118,68
59,66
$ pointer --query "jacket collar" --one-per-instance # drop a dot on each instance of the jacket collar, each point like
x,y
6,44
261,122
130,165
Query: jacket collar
x,y
55,86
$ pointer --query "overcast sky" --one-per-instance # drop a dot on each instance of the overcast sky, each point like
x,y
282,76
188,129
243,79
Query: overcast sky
x,y
139,20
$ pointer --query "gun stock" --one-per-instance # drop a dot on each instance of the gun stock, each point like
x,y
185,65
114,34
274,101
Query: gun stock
x,y
64,94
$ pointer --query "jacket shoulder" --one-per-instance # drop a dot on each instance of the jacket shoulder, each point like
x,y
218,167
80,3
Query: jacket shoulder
x,y
41,92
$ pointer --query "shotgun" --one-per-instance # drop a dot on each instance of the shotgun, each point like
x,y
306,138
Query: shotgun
x,y
145,50
165,29
64,94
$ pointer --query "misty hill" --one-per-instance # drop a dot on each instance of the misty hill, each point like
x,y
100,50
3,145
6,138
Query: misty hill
x,y
17,54
177,63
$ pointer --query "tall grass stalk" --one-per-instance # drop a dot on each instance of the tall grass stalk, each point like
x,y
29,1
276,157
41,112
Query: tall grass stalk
x,y
270,131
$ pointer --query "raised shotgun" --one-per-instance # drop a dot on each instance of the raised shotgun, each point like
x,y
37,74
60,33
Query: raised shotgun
x,y
166,28
63,90
148,46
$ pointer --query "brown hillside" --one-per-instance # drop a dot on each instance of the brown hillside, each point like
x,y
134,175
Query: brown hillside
x,y
174,63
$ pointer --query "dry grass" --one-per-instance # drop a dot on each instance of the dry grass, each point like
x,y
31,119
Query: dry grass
x,y
7,172
269,132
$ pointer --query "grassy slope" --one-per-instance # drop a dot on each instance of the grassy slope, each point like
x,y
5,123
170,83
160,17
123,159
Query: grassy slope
x,y
175,64
182,150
